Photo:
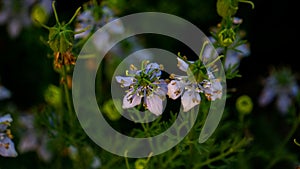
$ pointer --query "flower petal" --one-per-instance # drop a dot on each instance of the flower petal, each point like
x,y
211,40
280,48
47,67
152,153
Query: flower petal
x,y
175,89
130,100
7,147
267,96
154,104
190,99
4,121
4,93
125,81
182,65
283,103
152,66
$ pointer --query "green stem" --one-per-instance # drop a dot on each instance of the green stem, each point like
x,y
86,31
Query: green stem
x,y
112,162
214,61
55,13
223,154
248,2
67,95
170,159
295,141
74,16
202,49
126,160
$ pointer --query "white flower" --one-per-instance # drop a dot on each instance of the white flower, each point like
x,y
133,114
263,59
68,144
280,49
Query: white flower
x,y
144,84
189,89
7,147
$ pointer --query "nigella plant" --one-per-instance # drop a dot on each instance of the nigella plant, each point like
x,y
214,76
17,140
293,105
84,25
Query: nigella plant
x,y
7,147
189,87
144,87
237,50
280,85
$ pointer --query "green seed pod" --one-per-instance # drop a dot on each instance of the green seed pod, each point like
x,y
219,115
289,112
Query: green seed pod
x,y
53,95
244,104
140,164
60,39
61,36
227,8
39,14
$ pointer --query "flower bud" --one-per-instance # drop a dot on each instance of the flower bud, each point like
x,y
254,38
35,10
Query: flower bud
x,y
244,104
227,8
226,37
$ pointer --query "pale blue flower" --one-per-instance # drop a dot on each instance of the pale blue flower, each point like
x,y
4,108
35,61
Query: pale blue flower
x,y
144,84
32,139
15,14
281,86
189,89
235,52
87,20
4,93
7,147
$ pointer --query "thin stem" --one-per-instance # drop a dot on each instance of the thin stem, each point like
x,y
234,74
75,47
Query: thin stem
x,y
74,16
295,141
248,2
223,154
41,24
126,160
202,49
55,13
67,94
214,61
170,159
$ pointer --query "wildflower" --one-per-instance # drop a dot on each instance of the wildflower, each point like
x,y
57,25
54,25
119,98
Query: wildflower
x,y
89,22
144,84
4,93
190,88
33,140
87,19
280,84
7,147
16,14
236,50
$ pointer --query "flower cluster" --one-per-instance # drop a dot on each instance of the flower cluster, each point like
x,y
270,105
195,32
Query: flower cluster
x,y
7,147
147,83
